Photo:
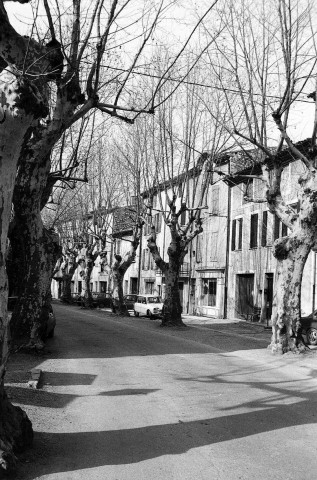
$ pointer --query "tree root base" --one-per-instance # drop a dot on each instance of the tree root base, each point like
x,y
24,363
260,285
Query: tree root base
x,y
291,347
16,434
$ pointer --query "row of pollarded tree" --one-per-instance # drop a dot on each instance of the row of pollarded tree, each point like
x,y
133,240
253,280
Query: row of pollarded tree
x,y
49,86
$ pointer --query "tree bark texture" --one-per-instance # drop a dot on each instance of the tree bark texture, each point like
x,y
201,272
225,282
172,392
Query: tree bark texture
x,y
291,254
38,257
172,309
67,274
20,105
118,272
119,269
15,432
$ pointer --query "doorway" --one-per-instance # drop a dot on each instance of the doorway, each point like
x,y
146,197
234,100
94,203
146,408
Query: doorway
x,y
181,293
244,295
269,277
134,285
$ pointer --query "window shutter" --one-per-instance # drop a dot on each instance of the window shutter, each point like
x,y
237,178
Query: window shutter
x,y
240,223
215,199
254,231
264,230
159,222
276,227
233,235
284,230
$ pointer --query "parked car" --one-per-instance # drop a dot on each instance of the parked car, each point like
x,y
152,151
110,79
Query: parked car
x,y
149,305
76,298
102,300
309,328
51,322
130,300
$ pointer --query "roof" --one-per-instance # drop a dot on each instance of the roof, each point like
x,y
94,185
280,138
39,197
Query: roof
x,y
190,173
123,220
241,164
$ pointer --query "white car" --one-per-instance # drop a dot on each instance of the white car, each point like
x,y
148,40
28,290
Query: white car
x,y
149,305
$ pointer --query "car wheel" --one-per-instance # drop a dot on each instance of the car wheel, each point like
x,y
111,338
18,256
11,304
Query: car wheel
x,y
149,314
136,314
311,335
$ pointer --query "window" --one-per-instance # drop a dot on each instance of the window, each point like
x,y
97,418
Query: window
x,y
264,229
118,246
143,258
183,218
237,234
210,292
215,199
103,287
149,287
280,229
277,223
240,226
254,230
157,222
247,191
233,235
126,285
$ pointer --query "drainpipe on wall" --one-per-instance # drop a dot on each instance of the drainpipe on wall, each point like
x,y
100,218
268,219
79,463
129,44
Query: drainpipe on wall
x,y
140,260
225,306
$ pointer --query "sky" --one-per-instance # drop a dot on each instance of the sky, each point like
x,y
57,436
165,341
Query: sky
x,y
301,122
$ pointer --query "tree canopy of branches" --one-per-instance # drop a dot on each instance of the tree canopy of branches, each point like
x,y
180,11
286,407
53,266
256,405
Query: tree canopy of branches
x,y
269,64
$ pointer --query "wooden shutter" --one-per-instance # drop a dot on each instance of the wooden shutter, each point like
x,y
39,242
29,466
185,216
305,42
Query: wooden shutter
x,y
264,230
277,223
254,230
233,235
240,234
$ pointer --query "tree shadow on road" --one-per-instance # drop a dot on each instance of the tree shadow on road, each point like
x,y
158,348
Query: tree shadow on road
x,y
66,452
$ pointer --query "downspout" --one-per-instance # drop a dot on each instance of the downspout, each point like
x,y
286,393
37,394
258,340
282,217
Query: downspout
x,y
225,306
140,260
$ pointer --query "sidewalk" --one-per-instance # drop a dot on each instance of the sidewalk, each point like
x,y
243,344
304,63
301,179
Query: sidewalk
x,y
204,320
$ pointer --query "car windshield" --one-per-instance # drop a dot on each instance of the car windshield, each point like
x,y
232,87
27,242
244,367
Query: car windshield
x,y
154,300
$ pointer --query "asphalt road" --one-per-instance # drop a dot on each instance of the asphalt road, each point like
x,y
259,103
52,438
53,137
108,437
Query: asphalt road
x,y
123,399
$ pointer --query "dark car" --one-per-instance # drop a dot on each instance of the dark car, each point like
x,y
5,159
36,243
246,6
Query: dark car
x,y
130,300
309,328
76,298
102,300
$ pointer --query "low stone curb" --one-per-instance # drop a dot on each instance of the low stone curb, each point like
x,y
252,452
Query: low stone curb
x,y
35,378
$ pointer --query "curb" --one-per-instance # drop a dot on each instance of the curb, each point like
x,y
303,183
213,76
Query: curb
x,y
35,378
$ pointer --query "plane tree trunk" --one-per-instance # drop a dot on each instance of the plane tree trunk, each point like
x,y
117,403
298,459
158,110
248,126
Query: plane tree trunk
x,y
68,271
291,255
119,269
21,104
37,256
172,309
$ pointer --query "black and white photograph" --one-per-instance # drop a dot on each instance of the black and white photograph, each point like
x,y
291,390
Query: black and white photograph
x,y
158,239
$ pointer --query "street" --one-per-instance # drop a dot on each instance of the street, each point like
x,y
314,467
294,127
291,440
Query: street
x,y
123,399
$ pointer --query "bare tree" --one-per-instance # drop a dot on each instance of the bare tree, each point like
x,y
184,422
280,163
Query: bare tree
x,y
183,148
50,83
268,61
